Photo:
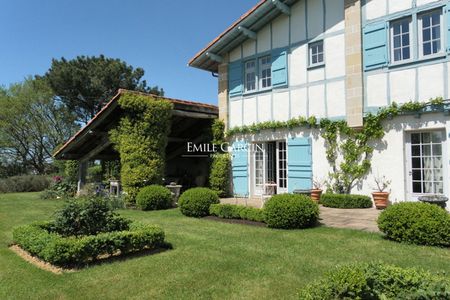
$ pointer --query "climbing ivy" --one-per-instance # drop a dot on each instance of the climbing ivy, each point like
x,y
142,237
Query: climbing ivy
x,y
219,175
348,150
217,129
141,139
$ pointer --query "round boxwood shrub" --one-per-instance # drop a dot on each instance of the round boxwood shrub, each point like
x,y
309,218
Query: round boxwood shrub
x,y
289,211
416,223
345,201
377,281
195,202
154,197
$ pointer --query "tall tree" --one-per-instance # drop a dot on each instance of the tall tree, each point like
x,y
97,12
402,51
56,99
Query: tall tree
x,y
86,83
32,124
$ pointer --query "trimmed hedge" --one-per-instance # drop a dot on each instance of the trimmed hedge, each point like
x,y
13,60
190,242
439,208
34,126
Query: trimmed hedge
x,y
416,223
377,281
289,211
39,240
154,197
229,211
220,173
345,201
24,183
195,202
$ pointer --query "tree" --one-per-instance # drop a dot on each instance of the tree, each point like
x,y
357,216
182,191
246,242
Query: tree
x,y
32,124
86,83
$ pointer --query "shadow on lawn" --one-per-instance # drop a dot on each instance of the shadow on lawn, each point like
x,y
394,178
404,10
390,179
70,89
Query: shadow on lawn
x,y
104,259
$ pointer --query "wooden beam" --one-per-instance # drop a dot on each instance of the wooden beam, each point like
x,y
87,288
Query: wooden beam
x,y
182,149
195,115
82,171
104,143
247,32
176,139
282,7
215,57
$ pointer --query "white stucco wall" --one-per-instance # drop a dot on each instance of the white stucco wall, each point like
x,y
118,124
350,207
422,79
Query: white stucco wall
x,y
417,83
390,158
374,9
310,90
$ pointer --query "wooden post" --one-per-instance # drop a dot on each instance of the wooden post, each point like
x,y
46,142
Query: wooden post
x,y
82,170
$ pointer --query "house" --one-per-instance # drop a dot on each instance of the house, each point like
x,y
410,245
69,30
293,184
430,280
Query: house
x,y
334,59
189,121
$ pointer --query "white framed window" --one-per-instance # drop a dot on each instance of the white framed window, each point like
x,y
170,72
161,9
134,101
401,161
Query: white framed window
x,y
401,40
265,72
250,75
316,55
430,33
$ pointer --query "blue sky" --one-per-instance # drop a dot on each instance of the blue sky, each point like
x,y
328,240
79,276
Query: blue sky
x,y
159,36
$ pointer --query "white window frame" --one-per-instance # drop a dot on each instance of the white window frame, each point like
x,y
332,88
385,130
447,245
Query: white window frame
x,y
310,53
420,32
391,40
264,67
247,71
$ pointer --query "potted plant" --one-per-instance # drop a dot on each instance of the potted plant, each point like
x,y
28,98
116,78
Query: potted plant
x,y
381,196
316,192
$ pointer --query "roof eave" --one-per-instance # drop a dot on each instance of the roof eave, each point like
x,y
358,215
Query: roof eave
x,y
258,16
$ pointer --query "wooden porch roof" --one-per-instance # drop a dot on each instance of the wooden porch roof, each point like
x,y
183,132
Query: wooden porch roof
x,y
92,142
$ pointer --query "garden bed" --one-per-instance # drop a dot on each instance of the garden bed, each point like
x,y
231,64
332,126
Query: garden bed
x,y
75,251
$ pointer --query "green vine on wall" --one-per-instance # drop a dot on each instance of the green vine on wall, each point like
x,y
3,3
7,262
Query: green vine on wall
x,y
219,175
348,150
141,139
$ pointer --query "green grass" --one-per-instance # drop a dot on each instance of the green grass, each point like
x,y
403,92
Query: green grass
x,y
209,259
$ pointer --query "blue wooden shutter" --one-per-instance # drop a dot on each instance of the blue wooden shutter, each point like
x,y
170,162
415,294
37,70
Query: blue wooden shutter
x,y
447,11
235,86
375,45
239,167
279,68
299,164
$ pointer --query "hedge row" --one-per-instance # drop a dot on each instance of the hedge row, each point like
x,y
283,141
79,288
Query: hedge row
x,y
377,281
229,211
24,183
416,223
73,251
345,201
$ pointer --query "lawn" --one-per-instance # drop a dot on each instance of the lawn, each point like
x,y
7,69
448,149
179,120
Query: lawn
x,y
209,260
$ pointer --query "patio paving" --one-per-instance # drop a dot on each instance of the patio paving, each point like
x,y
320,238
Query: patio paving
x,y
361,219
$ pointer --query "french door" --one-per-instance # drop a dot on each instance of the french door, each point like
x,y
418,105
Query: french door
x,y
270,166
259,167
426,168
282,167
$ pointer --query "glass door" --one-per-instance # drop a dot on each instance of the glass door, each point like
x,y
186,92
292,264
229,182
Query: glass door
x,y
282,167
259,163
425,163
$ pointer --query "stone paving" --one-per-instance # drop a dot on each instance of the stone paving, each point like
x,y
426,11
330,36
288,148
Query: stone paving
x,y
361,219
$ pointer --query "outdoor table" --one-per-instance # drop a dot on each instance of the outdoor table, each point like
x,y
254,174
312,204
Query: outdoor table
x,y
438,200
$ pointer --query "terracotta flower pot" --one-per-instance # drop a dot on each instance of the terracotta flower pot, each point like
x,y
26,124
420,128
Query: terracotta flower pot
x,y
381,199
315,194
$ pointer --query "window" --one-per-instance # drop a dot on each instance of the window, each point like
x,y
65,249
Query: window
x,y
430,33
250,76
316,54
400,40
265,72
427,163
